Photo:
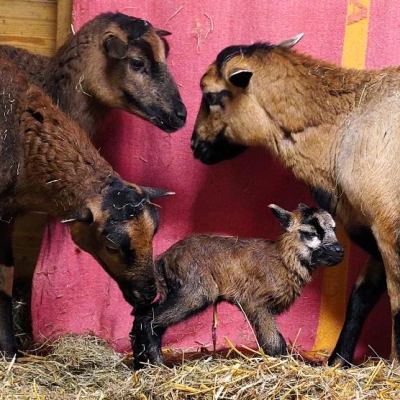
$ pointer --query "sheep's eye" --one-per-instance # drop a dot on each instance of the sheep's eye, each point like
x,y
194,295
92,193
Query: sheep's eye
x,y
306,235
136,64
112,250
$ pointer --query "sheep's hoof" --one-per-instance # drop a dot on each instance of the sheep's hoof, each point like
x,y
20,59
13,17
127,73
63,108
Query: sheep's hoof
x,y
337,361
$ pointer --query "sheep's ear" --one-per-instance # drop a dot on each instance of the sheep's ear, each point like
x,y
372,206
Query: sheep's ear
x,y
289,43
162,32
85,215
284,217
37,115
114,46
240,78
155,192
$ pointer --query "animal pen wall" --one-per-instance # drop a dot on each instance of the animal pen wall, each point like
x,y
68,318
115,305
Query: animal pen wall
x,y
73,294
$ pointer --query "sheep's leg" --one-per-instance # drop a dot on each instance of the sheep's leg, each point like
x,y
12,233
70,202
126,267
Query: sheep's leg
x,y
388,242
146,342
368,289
268,336
149,326
8,344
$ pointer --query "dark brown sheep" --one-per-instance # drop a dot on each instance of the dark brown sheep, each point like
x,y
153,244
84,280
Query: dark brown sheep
x,y
337,129
113,61
260,276
48,164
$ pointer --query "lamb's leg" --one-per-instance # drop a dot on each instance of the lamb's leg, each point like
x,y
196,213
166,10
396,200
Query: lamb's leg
x,y
368,289
8,344
268,336
150,324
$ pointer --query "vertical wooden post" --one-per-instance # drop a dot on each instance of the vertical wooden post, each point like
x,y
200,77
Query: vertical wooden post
x,y
64,20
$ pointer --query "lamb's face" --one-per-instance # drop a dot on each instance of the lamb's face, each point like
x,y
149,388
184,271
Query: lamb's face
x,y
311,231
120,236
317,233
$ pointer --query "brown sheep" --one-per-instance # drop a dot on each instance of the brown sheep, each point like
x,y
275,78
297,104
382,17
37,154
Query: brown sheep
x,y
113,61
260,276
337,129
48,164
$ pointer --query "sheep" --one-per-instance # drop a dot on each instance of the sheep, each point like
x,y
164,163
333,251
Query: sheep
x,y
48,164
113,61
260,276
337,130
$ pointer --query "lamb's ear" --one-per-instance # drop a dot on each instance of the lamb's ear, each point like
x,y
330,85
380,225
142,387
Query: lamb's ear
x,y
85,215
155,192
240,78
303,207
284,217
289,43
114,46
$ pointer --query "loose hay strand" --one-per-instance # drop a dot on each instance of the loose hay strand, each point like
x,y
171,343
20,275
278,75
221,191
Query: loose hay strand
x,y
86,368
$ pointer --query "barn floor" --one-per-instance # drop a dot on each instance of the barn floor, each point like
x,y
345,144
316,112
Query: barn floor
x,y
84,367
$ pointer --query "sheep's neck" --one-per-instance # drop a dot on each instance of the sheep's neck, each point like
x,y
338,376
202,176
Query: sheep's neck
x,y
65,83
60,174
312,113
294,275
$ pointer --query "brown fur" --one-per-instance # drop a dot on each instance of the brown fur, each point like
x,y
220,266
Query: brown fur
x,y
90,73
49,165
337,129
262,277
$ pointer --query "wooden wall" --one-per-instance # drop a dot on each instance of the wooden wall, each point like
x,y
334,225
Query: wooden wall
x,y
39,26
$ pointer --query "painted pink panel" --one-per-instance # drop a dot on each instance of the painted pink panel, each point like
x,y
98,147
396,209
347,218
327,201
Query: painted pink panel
x,y
72,293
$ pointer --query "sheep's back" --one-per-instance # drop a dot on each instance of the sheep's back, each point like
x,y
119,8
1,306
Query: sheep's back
x,y
32,65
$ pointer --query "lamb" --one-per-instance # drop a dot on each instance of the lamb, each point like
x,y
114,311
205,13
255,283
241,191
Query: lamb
x,y
262,277
48,164
337,129
113,61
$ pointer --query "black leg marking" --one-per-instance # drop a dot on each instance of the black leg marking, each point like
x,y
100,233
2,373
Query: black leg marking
x,y
8,344
151,323
6,255
396,332
363,298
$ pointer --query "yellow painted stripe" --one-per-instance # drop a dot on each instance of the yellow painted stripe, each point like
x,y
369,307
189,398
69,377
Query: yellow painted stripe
x,y
334,285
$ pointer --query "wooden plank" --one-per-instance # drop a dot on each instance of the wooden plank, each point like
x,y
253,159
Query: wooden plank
x,y
29,24
64,20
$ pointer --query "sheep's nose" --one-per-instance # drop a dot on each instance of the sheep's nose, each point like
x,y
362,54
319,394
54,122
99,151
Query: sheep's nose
x,y
181,112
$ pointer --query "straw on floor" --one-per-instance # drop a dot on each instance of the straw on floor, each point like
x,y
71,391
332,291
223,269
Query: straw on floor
x,y
85,367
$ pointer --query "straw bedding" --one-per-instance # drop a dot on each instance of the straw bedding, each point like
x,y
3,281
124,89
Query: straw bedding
x,y
85,367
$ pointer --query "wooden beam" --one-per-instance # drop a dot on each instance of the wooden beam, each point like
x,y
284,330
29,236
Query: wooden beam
x,y
64,21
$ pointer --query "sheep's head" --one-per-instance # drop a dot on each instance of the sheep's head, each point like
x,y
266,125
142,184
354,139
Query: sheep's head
x,y
130,71
311,232
118,231
232,113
